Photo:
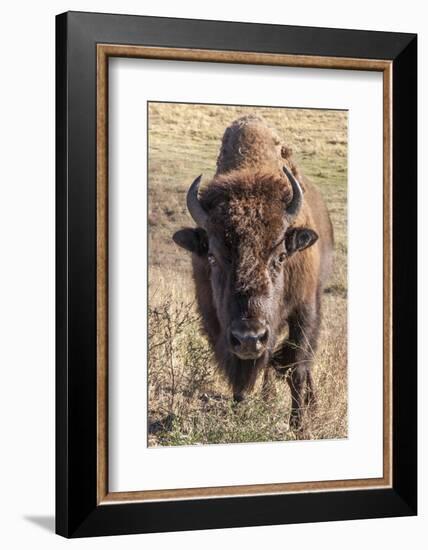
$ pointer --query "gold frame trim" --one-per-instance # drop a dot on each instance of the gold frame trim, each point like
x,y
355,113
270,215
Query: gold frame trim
x,y
104,51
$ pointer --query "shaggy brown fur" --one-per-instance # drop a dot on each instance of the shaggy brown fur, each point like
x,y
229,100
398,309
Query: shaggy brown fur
x,y
248,143
250,265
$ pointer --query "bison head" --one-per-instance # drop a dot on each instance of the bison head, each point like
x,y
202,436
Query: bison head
x,y
245,241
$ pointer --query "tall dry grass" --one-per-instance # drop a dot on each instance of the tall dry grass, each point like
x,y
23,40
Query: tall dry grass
x,y
189,402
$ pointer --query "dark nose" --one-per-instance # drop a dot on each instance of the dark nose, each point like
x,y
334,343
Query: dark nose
x,y
248,339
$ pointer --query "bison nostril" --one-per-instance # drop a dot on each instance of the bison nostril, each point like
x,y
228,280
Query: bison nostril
x,y
264,337
234,340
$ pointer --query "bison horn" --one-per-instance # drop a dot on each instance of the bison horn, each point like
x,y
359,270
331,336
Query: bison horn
x,y
194,206
295,205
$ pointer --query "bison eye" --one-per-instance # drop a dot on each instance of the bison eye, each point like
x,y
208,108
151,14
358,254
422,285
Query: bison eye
x,y
211,259
282,257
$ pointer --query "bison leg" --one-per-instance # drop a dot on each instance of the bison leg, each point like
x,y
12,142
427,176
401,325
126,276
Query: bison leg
x,y
311,398
295,360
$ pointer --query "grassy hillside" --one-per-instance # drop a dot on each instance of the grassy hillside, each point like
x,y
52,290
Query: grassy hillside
x,y
188,401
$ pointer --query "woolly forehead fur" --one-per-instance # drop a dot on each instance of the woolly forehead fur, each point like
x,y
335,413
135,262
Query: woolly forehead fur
x,y
246,212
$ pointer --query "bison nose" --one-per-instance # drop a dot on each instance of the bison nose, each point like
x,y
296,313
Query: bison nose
x,y
248,340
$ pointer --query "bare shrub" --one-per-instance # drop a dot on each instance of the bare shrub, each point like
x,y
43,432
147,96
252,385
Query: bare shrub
x,y
179,357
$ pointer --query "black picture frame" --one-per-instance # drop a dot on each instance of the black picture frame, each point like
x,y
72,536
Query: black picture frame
x,y
77,511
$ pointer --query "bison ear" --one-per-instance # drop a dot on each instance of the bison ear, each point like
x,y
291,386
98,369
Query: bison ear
x,y
193,240
299,239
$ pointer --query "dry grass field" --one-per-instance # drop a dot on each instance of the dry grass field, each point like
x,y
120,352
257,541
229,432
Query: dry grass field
x,y
189,403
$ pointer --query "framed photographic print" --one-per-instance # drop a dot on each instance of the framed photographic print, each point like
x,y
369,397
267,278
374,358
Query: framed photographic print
x,y
236,274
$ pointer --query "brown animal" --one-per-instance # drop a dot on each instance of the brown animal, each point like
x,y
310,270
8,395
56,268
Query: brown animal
x,y
261,254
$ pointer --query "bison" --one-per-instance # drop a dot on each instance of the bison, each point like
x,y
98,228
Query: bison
x,y
261,254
